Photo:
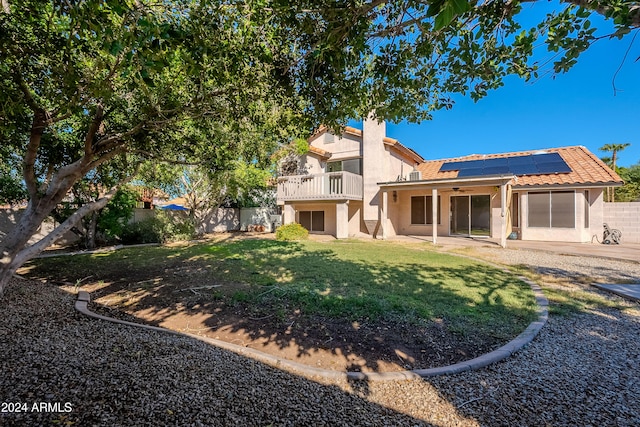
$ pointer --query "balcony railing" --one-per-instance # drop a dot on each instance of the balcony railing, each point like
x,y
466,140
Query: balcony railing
x,y
322,186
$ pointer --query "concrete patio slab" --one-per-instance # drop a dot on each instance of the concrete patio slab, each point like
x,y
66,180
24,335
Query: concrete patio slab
x,y
631,291
624,251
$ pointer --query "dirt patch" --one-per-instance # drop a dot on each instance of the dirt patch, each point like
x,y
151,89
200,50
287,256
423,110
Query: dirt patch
x,y
338,344
183,295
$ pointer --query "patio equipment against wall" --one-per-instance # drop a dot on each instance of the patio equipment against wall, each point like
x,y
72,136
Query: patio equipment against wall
x,y
611,235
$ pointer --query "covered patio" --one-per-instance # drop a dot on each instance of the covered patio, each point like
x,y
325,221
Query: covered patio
x,y
478,206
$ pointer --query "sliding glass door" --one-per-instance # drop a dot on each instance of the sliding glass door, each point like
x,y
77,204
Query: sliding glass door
x,y
471,215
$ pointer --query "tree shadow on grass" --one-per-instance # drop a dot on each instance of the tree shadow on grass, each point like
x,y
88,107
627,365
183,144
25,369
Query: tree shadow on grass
x,y
312,305
117,375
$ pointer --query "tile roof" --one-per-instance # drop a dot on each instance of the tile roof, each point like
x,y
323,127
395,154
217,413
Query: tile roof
x,y
394,143
586,168
390,142
319,151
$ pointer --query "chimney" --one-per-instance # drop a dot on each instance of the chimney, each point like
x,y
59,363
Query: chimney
x,y
374,165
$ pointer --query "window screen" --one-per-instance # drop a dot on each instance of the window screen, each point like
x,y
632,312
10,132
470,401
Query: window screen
x,y
353,166
554,209
422,210
539,210
417,210
312,220
317,221
334,166
305,219
563,209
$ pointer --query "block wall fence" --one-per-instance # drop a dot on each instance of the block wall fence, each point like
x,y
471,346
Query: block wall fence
x,y
626,218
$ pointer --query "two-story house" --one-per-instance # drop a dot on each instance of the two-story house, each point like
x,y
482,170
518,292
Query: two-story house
x,y
339,192
364,182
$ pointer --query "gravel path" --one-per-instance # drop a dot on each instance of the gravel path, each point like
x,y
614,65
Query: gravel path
x,y
580,370
581,268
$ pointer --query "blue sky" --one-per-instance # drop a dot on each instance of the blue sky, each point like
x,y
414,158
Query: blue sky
x,y
576,108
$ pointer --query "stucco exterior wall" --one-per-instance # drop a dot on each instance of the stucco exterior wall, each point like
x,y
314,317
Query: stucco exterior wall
x,y
596,212
624,217
399,167
399,215
375,163
340,147
579,233
400,211
355,218
329,215
310,164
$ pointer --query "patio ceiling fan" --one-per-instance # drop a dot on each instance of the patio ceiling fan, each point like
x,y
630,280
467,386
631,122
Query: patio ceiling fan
x,y
458,190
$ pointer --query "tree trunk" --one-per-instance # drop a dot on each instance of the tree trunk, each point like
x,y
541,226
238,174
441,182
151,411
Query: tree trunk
x,y
15,251
613,163
16,240
90,226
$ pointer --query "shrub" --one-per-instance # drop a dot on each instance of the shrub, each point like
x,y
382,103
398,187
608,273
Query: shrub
x,y
293,231
113,219
160,228
146,231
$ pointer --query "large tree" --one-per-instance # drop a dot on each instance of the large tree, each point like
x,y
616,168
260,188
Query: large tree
x,y
91,84
614,149
630,191
96,82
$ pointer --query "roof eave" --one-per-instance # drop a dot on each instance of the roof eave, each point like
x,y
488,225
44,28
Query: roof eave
x,y
444,182
569,185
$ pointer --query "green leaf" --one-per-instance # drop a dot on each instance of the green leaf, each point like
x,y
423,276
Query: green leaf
x,y
445,17
460,6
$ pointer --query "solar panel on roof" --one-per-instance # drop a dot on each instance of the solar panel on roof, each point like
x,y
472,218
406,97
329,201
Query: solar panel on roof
x,y
531,164
500,161
523,169
546,158
455,166
471,164
451,166
471,172
494,170
555,167
520,160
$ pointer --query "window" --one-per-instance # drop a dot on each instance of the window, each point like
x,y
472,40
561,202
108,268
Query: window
x,y
334,166
555,209
350,165
312,220
587,205
422,210
515,210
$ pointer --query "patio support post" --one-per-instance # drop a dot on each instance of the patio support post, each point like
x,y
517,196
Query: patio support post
x,y
434,215
503,215
289,214
342,220
383,214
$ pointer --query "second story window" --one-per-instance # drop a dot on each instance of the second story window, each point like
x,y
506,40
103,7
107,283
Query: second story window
x,y
350,165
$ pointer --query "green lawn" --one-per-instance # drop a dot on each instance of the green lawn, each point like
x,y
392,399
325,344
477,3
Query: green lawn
x,y
356,280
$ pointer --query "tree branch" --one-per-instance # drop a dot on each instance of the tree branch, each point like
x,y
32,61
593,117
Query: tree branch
x,y
28,167
594,5
33,250
93,129
26,91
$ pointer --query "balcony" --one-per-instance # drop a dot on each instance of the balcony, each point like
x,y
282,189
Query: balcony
x,y
322,186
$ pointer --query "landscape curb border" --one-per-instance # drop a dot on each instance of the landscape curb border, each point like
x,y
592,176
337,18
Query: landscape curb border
x,y
81,305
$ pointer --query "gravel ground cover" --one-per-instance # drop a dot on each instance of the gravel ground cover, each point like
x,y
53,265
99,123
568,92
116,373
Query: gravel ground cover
x,y
580,370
